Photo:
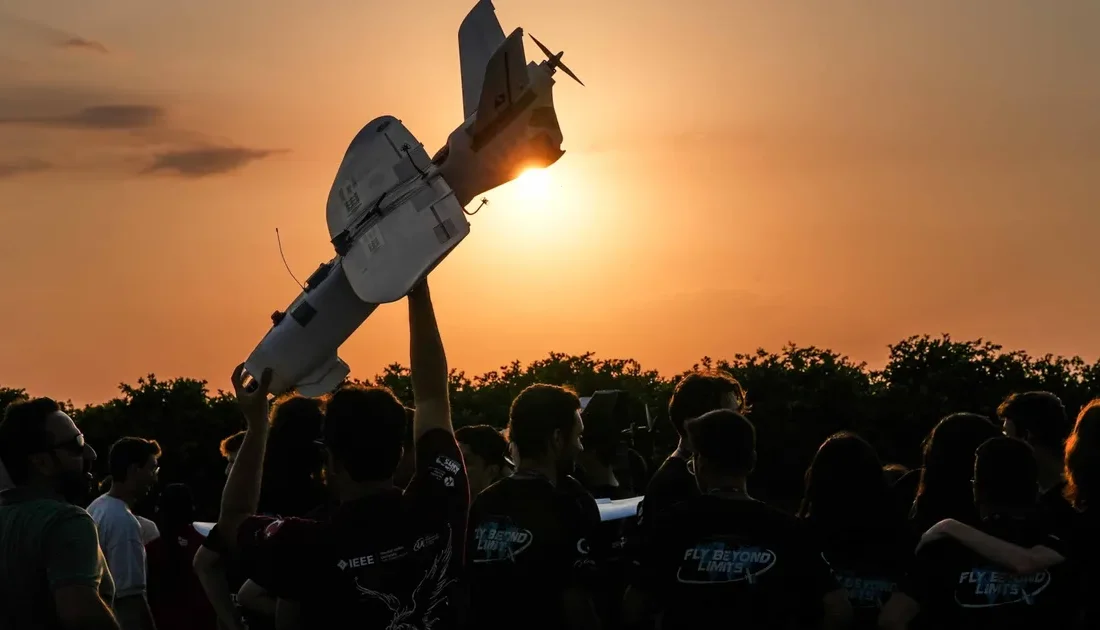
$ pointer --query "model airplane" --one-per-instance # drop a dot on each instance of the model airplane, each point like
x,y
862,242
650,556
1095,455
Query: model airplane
x,y
393,214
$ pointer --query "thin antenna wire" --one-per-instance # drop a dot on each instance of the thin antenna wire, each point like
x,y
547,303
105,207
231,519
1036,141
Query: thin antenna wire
x,y
285,264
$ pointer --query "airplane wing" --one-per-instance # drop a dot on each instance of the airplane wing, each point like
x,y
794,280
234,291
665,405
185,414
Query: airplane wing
x,y
479,36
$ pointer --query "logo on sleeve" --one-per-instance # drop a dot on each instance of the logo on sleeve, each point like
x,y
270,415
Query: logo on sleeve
x,y
448,464
987,587
721,562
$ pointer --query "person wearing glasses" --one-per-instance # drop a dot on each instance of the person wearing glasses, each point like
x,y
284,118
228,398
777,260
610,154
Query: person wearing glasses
x,y
133,465
52,573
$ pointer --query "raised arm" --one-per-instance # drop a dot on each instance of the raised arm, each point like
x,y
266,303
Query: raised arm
x,y
430,376
241,496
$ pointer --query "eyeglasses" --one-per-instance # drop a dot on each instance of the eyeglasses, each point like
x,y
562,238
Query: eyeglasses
x,y
74,445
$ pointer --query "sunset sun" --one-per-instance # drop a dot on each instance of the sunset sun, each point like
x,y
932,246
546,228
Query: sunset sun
x,y
533,184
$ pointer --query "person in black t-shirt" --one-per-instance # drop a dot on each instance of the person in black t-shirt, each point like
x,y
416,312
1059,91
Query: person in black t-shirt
x,y
1039,418
726,556
858,523
694,395
534,537
386,558
952,587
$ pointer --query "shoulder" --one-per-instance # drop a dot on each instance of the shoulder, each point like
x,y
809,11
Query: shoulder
x,y
68,517
436,438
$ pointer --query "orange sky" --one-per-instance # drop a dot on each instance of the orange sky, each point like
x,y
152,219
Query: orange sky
x,y
836,173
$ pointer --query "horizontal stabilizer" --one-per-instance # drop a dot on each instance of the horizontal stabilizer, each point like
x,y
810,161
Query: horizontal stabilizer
x,y
479,36
505,81
325,379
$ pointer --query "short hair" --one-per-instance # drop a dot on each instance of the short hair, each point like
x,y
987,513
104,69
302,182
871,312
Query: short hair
x,y
485,442
700,392
364,429
130,451
536,413
297,418
23,432
1082,466
725,439
231,444
1006,473
1040,415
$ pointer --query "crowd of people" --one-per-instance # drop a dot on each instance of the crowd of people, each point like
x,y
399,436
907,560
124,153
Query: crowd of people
x,y
355,511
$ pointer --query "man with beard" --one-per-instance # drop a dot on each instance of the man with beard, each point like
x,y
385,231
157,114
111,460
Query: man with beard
x,y
133,465
531,534
52,572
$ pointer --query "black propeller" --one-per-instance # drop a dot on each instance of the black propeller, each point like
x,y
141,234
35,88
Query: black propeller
x,y
555,60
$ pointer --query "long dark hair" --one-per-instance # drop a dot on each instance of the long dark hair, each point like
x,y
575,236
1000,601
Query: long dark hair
x,y
846,487
1081,459
945,489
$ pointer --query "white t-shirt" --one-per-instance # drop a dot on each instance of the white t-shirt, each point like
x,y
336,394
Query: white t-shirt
x,y
149,530
122,543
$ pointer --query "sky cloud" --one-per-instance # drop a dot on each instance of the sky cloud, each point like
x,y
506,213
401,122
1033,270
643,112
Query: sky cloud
x,y
50,35
13,168
96,117
79,43
206,161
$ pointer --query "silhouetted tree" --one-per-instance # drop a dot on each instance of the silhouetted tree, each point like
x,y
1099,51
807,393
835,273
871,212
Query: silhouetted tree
x,y
798,396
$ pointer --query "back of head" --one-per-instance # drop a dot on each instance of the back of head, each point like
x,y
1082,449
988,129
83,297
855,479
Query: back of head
x,y
23,432
127,452
296,419
364,429
700,392
1082,458
293,459
175,506
725,440
484,441
950,447
845,482
1038,418
536,413
1006,475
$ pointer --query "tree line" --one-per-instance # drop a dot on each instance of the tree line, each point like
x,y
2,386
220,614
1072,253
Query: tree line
x,y
798,396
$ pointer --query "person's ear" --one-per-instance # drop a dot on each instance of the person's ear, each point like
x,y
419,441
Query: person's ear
x,y
558,440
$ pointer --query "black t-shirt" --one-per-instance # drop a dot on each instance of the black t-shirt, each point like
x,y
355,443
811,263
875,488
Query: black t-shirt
x,y
391,560
957,589
528,542
671,484
737,561
1059,514
869,561
1084,540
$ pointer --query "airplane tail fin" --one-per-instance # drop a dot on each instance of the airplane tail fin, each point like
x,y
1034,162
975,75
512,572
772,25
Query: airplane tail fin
x,y
505,81
479,36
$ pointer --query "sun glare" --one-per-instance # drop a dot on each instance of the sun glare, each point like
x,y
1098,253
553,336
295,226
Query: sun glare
x,y
533,184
